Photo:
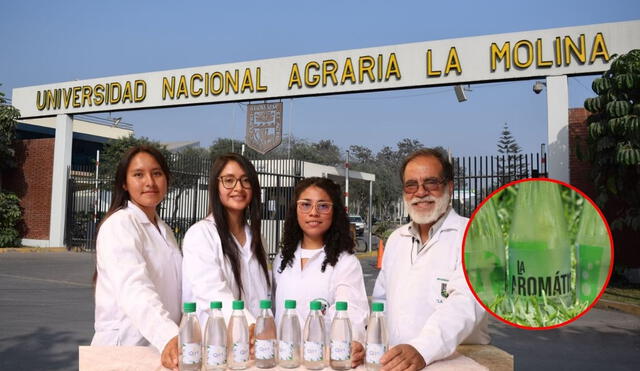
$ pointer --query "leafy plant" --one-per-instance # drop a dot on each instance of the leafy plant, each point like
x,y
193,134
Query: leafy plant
x,y
9,219
613,145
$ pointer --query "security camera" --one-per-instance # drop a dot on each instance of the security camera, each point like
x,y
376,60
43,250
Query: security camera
x,y
538,87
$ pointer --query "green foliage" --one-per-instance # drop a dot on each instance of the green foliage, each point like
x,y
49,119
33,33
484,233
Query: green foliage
x,y
613,145
10,216
115,148
8,116
535,312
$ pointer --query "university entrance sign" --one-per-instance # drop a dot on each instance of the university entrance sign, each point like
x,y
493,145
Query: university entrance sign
x,y
511,56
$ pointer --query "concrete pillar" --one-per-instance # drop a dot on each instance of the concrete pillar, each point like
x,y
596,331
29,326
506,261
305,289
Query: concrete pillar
x,y
61,162
558,127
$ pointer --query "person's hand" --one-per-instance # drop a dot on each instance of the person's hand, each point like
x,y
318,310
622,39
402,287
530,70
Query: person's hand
x,y
402,357
252,340
357,354
169,356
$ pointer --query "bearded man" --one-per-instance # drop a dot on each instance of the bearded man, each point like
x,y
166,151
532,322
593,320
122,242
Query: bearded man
x,y
429,307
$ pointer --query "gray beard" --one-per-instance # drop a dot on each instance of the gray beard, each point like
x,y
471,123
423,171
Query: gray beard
x,y
428,217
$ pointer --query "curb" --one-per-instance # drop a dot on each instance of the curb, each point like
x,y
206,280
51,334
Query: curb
x,y
32,249
622,307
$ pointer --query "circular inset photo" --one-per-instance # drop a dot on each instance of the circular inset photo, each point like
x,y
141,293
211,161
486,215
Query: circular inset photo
x,y
537,253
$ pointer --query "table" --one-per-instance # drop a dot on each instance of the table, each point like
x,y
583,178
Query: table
x,y
103,358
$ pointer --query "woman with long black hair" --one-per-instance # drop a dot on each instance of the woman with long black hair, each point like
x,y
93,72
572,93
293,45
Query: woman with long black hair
x,y
138,269
317,261
224,259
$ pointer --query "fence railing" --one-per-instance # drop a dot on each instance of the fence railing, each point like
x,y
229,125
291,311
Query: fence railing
x,y
187,199
477,176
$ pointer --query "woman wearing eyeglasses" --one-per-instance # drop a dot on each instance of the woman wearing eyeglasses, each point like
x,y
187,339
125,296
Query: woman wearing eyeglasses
x,y
317,261
224,259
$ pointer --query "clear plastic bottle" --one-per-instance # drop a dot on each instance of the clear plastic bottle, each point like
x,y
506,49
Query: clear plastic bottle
x,y
539,250
313,346
238,338
377,341
190,339
340,348
215,339
265,337
593,254
289,337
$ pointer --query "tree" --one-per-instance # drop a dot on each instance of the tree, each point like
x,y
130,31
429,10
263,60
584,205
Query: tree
x,y
115,148
8,116
613,145
510,166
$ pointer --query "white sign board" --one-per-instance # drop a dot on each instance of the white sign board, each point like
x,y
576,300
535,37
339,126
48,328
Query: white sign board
x,y
521,55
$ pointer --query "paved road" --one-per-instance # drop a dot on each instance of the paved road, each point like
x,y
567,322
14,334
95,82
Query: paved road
x,y
46,311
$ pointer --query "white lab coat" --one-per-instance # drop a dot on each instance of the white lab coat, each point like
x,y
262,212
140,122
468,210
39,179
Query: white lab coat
x,y
138,287
342,282
417,312
207,275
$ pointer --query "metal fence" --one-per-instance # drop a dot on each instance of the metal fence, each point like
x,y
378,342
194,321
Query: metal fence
x,y
187,200
475,177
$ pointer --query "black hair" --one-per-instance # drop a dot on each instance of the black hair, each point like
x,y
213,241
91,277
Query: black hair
x,y
336,239
252,212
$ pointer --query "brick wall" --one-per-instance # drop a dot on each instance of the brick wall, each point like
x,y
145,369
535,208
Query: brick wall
x,y
31,181
579,171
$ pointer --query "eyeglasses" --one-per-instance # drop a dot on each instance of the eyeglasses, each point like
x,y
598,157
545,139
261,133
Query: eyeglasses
x,y
429,184
230,181
322,207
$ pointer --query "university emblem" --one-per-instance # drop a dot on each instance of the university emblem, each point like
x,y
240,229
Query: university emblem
x,y
264,126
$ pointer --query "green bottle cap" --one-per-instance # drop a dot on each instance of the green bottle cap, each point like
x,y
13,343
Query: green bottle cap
x,y
238,305
290,304
265,304
189,307
216,305
315,305
377,307
341,305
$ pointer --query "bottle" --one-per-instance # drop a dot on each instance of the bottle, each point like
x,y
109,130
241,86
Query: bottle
x,y
377,342
340,348
484,254
313,346
539,250
190,339
215,339
289,336
593,254
238,338
265,337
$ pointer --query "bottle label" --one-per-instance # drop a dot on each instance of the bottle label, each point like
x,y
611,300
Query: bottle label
x,y
374,353
285,350
313,351
240,352
216,355
535,268
340,350
264,349
191,353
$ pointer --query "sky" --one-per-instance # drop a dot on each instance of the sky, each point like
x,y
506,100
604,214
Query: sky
x,y
54,41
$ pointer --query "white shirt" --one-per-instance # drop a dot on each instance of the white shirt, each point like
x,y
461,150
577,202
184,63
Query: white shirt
x,y
138,286
428,302
207,274
342,282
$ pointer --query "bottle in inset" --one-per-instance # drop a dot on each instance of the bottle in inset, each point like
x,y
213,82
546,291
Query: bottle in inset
x,y
377,342
238,338
539,250
190,339
313,346
265,334
289,337
215,339
593,254
484,254
340,348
